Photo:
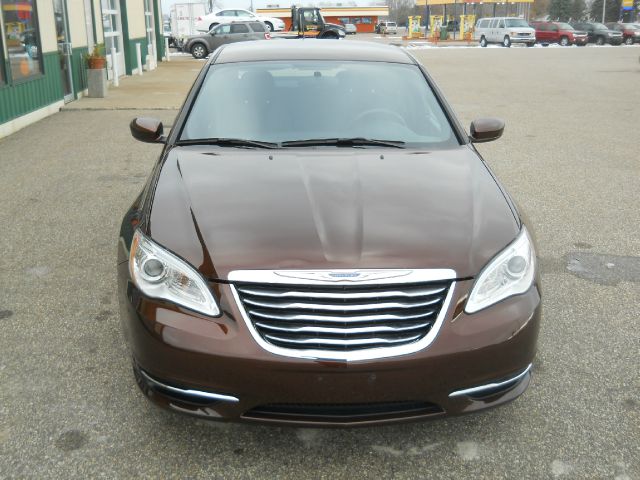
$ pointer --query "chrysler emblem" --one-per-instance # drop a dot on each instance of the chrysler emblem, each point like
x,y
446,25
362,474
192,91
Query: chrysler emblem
x,y
342,275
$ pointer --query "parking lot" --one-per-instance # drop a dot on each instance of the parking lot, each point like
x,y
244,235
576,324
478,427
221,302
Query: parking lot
x,y
69,407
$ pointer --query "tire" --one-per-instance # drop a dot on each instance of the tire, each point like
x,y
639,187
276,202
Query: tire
x,y
199,50
269,26
213,25
506,42
564,41
531,44
483,41
329,36
600,41
628,41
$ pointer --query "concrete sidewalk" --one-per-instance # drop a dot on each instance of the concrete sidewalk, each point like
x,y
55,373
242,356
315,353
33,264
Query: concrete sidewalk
x,y
161,89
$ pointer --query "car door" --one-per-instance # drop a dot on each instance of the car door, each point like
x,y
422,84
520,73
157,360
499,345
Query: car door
x,y
500,31
219,36
553,34
492,35
239,32
541,32
226,16
259,31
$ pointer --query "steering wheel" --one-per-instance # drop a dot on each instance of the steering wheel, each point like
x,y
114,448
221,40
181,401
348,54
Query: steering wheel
x,y
379,112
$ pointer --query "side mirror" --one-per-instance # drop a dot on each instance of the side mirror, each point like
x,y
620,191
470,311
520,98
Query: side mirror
x,y
149,130
486,130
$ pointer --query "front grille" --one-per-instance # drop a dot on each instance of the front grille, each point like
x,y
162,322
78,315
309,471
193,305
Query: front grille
x,y
329,413
342,318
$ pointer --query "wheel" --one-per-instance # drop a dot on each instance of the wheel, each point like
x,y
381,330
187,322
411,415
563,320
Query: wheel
x,y
199,51
628,41
213,25
269,26
378,112
564,41
483,41
600,41
506,42
531,44
329,36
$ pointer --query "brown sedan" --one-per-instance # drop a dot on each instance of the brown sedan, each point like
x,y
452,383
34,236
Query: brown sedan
x,y
320,243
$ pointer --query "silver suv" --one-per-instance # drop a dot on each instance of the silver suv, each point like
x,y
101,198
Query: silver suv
x,y
202,45
504,30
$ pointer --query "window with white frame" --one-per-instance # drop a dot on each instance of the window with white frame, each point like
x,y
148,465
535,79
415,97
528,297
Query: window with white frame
x,y
21,38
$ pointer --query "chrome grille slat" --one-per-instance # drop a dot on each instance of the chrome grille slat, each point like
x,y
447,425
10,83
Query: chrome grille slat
x,y
346,342
343,318
340,296
340,319
341,307
343,331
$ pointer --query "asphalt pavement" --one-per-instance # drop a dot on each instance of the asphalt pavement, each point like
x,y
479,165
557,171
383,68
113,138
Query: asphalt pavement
x,y
570,156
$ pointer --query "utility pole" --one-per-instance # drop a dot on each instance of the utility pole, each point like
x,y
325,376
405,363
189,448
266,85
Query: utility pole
x,y
604,4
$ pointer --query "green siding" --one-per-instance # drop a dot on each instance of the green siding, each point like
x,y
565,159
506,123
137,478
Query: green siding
x,y
130,55
158,27
125,37
79,69
31,95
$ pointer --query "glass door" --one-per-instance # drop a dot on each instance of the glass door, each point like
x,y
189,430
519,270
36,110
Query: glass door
x,y
151,37
112,28
64,48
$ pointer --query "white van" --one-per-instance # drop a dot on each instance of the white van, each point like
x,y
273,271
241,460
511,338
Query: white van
x,y
504,30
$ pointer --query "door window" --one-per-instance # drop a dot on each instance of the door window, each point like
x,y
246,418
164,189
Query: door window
x,y
22,39
257,27
239,28
494,23
222,29
501,24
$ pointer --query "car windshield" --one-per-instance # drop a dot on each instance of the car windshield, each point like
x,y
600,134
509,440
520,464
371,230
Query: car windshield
x,y
599,26
301,100
564,26
515,22
391,24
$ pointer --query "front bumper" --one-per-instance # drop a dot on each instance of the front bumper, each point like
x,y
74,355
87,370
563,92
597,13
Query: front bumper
x,y
530,39
176,351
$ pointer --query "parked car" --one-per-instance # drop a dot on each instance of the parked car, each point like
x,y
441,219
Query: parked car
x,y
29,42
350,29
168,35
598,33
630,31
505,31
320,243
202,45
387,27
207,22
559,32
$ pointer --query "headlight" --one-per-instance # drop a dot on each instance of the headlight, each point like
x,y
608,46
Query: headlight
x,y
510,273
160,274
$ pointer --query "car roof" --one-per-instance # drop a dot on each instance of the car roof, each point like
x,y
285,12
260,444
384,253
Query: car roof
x,y
311,49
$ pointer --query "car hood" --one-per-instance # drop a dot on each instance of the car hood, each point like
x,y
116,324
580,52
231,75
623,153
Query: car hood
x,y
329,208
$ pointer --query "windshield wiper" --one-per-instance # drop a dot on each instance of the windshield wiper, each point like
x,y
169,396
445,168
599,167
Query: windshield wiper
x,y
228,142
344,142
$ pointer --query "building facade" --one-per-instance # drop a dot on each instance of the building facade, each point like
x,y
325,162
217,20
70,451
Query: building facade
x,y
43,43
